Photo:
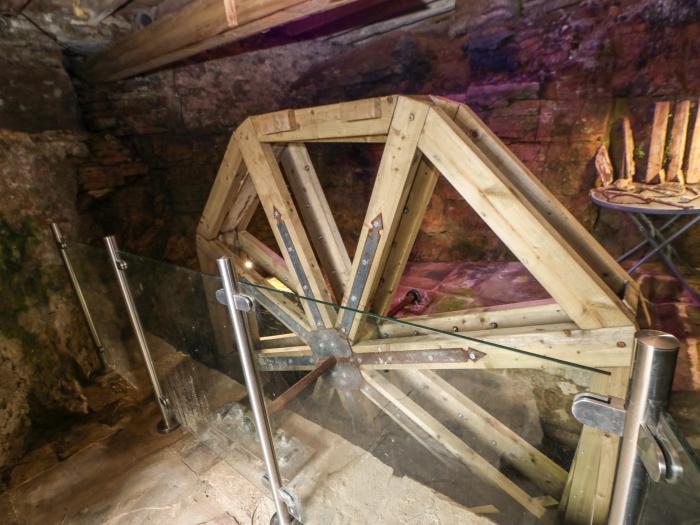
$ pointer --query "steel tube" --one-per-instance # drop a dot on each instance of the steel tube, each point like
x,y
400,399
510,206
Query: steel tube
x,y
255,394
62,248
660,246
650,385
168,423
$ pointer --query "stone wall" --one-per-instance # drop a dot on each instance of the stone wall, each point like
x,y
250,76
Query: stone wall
x,y
45,352
548,77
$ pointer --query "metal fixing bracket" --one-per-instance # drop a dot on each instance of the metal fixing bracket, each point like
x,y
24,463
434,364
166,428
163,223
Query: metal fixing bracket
x,y
358,285
657,445
240,302
606,413
298,269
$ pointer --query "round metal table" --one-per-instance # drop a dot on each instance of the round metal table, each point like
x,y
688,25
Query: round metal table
x,y
684,206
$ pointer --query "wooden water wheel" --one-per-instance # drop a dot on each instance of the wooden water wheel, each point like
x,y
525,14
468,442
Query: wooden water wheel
x,y
590,320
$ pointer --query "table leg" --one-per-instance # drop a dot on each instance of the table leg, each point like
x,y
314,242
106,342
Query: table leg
x,y
672,252
659,248
654,232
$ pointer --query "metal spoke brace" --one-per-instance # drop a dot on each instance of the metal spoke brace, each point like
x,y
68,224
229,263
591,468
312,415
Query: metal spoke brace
x,y
649,450
168,423
237,304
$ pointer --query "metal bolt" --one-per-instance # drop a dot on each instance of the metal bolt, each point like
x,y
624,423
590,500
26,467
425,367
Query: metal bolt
x,y
472,356
455,329
122,264
493,324
411,117
405,210
431,358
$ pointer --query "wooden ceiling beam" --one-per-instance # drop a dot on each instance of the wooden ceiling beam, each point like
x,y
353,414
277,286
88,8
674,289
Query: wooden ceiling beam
x,y
198,27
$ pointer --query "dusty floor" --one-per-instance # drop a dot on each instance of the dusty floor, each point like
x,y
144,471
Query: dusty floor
x,y
113,468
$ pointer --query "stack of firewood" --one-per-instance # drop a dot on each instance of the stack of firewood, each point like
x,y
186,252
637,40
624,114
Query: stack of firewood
x,y
672,160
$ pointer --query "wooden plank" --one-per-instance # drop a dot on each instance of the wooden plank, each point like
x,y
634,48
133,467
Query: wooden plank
x,y
275,198
657,143
318,218
276,122
452,443
367,139
622,149
329,122
227,184
536,466
296,11
409,226
197,21
395,175
529,313
245,202
601,348
592,474
369,108
581,293
547,205
297,388
692,167
264,257
676,142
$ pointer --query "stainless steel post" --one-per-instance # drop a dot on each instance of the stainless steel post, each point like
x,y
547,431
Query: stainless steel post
x,y
62,248
168,423
255,394
650,385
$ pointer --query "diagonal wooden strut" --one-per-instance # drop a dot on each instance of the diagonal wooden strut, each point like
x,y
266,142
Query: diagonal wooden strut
x,y
317,216
284,219
544,472
394,178
579,291
452,443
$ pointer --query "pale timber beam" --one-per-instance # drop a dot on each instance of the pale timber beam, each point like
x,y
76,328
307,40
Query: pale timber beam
x,y
417,202
524,314
285,221
581,293
317,216
539,195
333,122
452,443
202,25
397,169
244,206
227,185
601,348
532,463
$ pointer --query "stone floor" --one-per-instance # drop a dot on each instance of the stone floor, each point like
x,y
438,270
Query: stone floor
x,y
114,468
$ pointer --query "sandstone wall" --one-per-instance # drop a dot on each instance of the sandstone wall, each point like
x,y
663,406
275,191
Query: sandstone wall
x,y
548,77
45,351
